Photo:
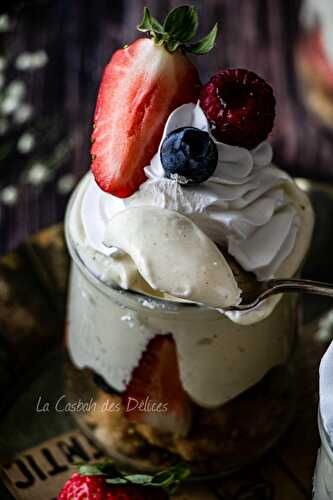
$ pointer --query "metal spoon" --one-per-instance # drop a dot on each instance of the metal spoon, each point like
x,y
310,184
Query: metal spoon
x,y
268,288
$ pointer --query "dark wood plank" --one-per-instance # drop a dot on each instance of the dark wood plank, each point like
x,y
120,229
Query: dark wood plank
x,y
264,480
31,323
49,258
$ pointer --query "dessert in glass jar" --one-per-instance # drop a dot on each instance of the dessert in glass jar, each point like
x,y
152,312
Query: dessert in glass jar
x,y
182,213
314,57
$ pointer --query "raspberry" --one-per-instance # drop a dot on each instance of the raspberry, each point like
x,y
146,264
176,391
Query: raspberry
x,y
240,107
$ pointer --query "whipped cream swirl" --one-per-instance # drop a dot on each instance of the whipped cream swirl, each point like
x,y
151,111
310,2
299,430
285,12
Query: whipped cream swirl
x,y
244,206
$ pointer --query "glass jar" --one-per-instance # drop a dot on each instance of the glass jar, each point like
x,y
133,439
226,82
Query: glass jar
x,y
323,477
252,366
314,57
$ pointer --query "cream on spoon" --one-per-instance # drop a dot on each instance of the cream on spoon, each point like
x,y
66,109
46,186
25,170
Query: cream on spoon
x,y
173,255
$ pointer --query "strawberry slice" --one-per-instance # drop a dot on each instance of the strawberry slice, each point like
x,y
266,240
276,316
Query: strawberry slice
x,y
141,85
155,395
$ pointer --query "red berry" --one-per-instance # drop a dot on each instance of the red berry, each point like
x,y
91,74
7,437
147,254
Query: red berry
x,y
95,488
85,487
141,85
240,107
156,381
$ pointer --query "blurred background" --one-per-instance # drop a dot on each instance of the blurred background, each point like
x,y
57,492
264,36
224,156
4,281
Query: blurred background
x,y
52,54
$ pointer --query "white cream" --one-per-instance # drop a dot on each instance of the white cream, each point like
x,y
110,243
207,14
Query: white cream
x,y
173,255
244,205
217,358
248,204
114,267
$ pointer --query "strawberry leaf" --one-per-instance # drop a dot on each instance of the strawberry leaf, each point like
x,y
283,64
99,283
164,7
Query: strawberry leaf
x,y
168,479
158,39
90,470
204,45
181,24
116,480
149,23
106,468
143,479
172,45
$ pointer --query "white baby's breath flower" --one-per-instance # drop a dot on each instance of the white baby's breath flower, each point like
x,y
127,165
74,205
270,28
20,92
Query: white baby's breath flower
x,y
23,61
37,174
5,24
8,105
31,60
13,96
9,195
16,88
26,143
4,126
22,114
65,184
39,59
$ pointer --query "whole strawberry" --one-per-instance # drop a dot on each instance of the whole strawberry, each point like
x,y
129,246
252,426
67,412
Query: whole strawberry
x,y
240,107
103,481
142,84
95,488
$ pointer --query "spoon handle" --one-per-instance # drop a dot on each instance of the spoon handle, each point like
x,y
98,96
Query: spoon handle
x,y
296,285
275,286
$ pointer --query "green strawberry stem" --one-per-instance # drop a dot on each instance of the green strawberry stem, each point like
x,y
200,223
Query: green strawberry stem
x,y
179,28
168,479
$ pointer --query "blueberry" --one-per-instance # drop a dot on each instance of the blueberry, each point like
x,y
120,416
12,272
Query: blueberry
x,y
189,155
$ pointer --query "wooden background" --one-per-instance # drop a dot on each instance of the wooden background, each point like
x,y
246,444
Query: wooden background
x,y
80,36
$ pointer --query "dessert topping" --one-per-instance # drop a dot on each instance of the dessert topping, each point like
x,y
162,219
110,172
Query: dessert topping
x,y
142,84
240,107
189,155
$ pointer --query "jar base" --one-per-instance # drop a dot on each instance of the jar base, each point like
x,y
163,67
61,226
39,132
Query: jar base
x,y
220,441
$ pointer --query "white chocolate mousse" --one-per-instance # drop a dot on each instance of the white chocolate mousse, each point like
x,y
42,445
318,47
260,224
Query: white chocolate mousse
x,y
173,255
